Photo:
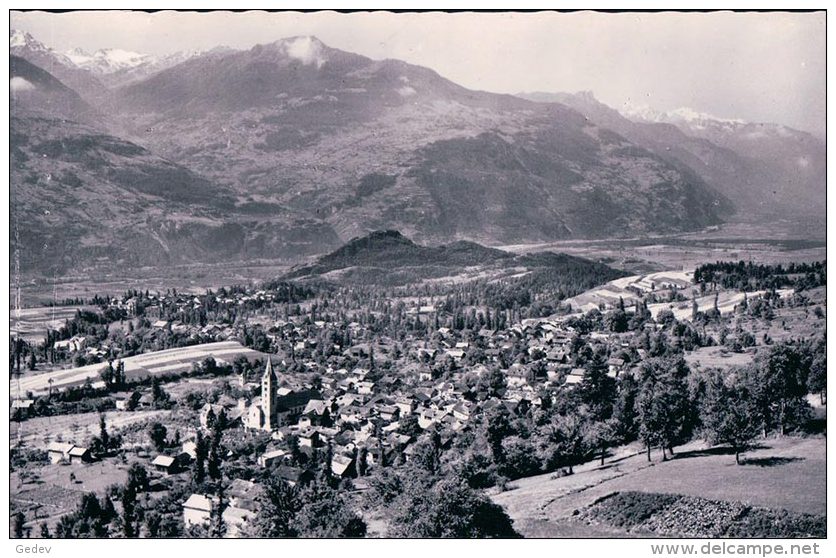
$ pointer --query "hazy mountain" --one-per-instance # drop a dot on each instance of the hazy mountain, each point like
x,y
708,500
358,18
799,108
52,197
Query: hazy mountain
x,y
82,197
765,168
794,161
309,146
389,258
364,145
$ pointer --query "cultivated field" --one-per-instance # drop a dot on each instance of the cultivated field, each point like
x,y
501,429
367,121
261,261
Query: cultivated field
x,y
168,361
38,432
630,288
786,473
46,492
34,322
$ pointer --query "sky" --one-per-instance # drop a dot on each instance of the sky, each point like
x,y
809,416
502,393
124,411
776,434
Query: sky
x,y
760,67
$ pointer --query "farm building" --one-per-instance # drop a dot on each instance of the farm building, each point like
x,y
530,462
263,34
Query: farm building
x,y
59,452
165,464
80,455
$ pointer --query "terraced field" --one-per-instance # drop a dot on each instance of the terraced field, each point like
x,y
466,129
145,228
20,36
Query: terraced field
x,y
34,322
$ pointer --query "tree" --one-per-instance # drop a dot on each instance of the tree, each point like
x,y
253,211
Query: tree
x,y
104,437
602,434
362,457
664,406
778,384
427,453
493,384
278,503
201,450
160,397
597,389
624,409
137,482
91,519
618,321
727,415
497,427
567,433
324,513
129,516
448,509
138,478
217,525
214,461
153,521
107,374
520,458
817,380
158,434
408,425
133,401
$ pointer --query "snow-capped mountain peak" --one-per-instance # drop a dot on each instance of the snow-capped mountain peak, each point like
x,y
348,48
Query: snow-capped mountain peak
x,y
23,44
21,40
691,115
109,60
682,115
78,56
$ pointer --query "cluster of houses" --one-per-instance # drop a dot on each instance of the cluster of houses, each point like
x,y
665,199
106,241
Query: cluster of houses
x,y
362,424
359,416
241,506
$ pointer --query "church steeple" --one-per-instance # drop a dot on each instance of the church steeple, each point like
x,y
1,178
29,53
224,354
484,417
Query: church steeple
x,y
269,387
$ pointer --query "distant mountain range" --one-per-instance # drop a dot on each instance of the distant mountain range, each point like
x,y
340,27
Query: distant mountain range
x,y
292,148
762,168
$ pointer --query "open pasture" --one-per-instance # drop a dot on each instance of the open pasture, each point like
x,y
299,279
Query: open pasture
x,y
781,473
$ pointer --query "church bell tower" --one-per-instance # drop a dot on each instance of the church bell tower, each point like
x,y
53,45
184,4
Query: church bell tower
x,y
269,387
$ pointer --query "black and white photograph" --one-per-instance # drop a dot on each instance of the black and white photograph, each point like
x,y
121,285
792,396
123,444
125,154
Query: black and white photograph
x,y
417,274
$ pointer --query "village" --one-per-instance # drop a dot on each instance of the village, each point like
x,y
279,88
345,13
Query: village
x,y
293,383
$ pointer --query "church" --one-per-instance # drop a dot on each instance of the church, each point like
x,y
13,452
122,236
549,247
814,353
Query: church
x,y
277,407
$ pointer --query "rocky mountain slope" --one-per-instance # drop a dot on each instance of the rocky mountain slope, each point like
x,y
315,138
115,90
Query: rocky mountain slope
x,y
82,197
291,148
363,144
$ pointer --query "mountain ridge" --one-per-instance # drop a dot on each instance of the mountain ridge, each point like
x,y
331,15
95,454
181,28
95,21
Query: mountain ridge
x,y
388,258
312,146
759,166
